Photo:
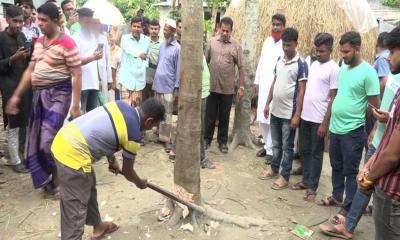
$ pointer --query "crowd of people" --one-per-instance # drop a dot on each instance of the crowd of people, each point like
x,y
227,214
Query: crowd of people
x,y
58,65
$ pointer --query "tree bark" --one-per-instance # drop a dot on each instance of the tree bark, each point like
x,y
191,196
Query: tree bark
x,y
187,163
241,128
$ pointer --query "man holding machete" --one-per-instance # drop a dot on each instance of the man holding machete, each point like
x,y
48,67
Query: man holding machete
x,y
100,132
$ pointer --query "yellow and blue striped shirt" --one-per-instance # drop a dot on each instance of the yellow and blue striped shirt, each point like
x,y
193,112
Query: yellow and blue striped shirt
x,y
100,132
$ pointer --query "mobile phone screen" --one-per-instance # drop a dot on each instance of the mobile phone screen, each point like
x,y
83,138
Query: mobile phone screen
x,y
27,45
372,106
100,46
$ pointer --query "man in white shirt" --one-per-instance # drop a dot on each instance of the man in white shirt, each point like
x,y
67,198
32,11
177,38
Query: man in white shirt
x,y
90,53
320,92
271,51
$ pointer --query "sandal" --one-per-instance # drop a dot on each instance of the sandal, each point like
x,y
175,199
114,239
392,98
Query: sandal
x,y
310,196
267,174
280,186
111,227
333,231
338,219
329,202
299,186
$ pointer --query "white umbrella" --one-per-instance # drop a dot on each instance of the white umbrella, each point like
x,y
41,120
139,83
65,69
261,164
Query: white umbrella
x,y
106,12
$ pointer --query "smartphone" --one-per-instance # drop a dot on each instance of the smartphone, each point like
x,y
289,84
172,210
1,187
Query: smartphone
x,y
27,45
373,107
100,46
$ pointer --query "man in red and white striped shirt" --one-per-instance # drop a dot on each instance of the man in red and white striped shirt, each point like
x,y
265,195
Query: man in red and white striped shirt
x,y
54,74
383,169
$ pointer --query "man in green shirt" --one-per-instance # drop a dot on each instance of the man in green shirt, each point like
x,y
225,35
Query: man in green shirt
x,y
205,92
71,16
358,86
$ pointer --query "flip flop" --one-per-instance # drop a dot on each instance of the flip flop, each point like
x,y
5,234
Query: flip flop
x,y
310,195
299,186
277,187
337,219
111,227
332,231
329,202
267,174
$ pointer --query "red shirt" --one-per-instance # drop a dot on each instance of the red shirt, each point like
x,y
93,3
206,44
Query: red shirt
x,y
390,183
53,63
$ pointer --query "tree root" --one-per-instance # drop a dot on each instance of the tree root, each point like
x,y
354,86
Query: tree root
x,y
241,139
212,213
243,222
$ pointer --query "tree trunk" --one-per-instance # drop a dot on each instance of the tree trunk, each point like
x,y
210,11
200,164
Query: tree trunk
x,y
241,127
187,163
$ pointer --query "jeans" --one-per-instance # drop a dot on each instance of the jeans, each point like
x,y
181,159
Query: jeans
x,y
89,100
282,145
217,104
312,151
386,216
360,201
345,152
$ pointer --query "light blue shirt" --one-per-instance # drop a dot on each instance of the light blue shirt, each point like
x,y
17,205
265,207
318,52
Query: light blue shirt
x,y
168,68
133,68
381,64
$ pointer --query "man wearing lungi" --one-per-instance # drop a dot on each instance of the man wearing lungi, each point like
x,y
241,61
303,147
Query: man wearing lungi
x,y
54,61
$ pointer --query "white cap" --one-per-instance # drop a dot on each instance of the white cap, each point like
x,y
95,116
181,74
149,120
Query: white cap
x,y
171,23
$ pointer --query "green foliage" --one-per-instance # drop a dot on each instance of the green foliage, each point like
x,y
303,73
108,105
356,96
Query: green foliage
x,y
175,14
208,26
391,3
218,3
129,8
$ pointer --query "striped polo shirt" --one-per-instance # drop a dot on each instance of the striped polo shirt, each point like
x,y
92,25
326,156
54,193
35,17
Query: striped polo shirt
x,y
53,62
100,132
390,183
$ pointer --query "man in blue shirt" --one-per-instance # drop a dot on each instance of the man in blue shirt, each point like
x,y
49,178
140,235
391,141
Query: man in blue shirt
x,y
80,143
166,80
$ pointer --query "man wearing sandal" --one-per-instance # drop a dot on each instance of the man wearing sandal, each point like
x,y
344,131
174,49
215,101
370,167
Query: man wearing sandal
x,y
80,143
286,94
358,86
388,144
320,92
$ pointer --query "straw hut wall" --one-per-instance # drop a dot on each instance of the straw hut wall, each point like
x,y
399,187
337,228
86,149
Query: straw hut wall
x,y
309,17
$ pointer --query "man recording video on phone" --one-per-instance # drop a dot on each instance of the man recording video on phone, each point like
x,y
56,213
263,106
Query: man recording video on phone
x,y
90,52
71,16
14,59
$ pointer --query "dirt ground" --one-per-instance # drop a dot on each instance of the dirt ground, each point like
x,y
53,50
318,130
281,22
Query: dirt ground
x,y
233,188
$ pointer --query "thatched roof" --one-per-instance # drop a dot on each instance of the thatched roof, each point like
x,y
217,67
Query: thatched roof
x,y
309,17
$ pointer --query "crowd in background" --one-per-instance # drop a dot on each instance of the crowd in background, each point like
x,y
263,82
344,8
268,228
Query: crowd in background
x,y
58,62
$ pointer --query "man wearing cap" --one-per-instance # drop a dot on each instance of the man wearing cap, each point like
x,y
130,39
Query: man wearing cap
x,y
166,80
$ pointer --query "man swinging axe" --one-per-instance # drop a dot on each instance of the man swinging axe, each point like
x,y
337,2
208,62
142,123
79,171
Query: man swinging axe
x,y
100,132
